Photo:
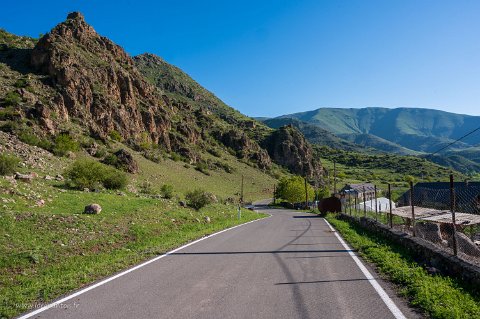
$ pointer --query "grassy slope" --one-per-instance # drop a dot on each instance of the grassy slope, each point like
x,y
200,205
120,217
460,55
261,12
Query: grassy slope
x,y
440,297
48,251
257,185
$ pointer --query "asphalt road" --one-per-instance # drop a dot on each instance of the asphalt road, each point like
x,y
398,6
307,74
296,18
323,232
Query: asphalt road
x,y
290,265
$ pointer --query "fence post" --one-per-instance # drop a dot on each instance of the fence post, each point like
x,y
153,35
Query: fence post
x,y
364,203
350,202
376,204
355,202
413,208
390,204
452,209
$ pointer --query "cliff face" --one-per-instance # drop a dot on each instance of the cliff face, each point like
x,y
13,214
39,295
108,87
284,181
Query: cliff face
x,y
99,84
288,147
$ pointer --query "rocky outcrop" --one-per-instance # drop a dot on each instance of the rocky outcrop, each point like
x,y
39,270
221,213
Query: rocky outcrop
x,y
99,84
245,147
126,161
288,147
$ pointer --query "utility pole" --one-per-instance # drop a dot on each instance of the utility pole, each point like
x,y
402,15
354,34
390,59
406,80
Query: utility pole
x,y
274,193
306,193
241,193
334,177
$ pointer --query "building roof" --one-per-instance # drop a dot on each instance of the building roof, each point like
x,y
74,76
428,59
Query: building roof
x,y
359,188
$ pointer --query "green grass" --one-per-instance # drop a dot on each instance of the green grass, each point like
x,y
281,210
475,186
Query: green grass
x,y
438,296
48,251
257,185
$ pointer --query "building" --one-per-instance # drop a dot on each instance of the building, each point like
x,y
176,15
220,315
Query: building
x,y
436,195
362,192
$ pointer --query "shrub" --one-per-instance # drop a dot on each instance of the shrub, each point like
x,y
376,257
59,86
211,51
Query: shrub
x,y
202,167
8,113
21,83
175,157
214,152
101,152
114,179
64,143
32,139
8,164
87,173
166,191
146,187
115,136
12,99
111,159
198,199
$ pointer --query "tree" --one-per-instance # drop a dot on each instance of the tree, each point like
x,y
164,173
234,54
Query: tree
x,y
292,189
323,192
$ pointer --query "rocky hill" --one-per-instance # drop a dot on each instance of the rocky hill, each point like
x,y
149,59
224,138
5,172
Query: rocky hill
x,y
75,82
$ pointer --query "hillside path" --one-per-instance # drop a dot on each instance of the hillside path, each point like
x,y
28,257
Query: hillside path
x,y
290,265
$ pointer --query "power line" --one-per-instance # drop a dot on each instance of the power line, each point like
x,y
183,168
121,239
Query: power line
x,y
457,140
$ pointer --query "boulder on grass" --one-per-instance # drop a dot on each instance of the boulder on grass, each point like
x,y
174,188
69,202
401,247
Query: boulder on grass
x,y
92,209
27,178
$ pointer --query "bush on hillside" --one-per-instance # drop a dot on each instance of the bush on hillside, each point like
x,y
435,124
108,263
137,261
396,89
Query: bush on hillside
x,y
64,143
8,164
166,191
31,139
12,98
87,173
198,198
115,136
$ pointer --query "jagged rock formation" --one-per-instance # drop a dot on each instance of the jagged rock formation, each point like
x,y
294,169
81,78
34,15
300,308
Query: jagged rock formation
x,y
99,84
288,147
245,147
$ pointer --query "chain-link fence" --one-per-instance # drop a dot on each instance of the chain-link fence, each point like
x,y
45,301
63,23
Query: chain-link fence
x,y
447,214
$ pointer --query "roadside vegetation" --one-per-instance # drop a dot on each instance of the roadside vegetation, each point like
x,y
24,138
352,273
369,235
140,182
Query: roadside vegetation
x,y
49,250
438,296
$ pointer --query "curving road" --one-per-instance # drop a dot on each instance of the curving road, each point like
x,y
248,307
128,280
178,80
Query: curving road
x,y
290,265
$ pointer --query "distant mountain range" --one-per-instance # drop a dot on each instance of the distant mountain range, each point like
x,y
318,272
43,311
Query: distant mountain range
x,y
406,131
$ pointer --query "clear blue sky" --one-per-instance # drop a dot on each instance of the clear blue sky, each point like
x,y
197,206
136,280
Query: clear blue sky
x,y
269,58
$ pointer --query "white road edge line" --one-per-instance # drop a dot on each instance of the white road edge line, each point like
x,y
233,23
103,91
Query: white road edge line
x,y
98,284
397,313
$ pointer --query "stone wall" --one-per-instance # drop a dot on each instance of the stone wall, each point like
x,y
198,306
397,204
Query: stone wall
x,y
423,251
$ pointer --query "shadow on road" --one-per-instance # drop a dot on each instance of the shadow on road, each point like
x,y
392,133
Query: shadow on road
x,y
320,281
264,252
308,216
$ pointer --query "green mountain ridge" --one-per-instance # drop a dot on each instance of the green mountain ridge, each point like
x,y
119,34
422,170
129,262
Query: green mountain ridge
x,y
395,125
407,131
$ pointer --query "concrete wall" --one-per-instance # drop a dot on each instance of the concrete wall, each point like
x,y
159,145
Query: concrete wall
x,y
423,251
